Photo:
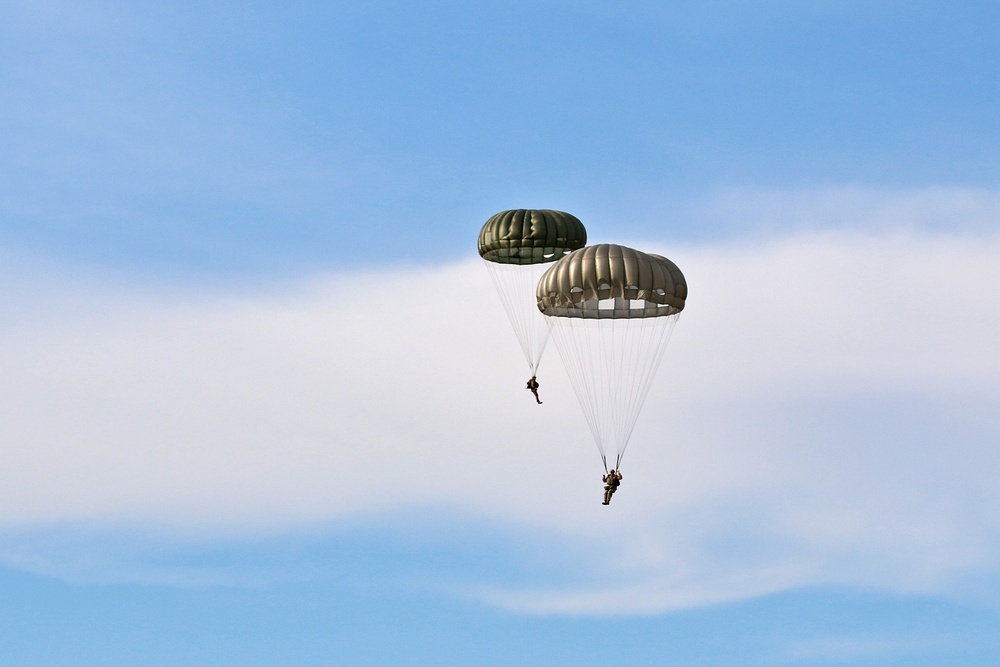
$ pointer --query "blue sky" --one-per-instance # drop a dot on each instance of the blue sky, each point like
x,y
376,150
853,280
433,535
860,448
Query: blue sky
x,y
237,257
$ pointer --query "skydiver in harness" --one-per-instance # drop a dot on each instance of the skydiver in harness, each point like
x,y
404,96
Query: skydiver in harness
x,y
611,482
533,386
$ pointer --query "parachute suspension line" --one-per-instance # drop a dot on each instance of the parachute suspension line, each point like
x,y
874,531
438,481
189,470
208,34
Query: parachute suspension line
x,y
611,364
603,378
616,358
576,341
515,284
574,344
593,370
647,351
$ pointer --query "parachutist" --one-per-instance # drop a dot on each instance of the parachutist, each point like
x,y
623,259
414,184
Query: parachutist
x,y
533,386
611,482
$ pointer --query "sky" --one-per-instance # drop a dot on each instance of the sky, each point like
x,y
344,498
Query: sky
x,y
260,404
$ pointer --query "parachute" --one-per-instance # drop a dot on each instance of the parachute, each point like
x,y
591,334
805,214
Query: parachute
x,y
517,246
611,311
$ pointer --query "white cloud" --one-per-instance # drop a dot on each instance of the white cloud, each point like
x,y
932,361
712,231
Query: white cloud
x,y
938,209
824,416
853,648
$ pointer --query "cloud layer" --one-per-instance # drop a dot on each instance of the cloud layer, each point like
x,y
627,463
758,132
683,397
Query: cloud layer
x,y
824,416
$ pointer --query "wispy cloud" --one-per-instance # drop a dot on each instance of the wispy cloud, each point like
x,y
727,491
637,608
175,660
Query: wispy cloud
x,y
945,210
847,648
824,416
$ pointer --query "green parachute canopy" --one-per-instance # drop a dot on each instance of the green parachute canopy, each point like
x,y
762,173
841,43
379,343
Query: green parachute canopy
x,y
528,236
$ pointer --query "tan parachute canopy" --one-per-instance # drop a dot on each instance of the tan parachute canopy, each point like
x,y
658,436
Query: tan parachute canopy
x,y
526,236
609,281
